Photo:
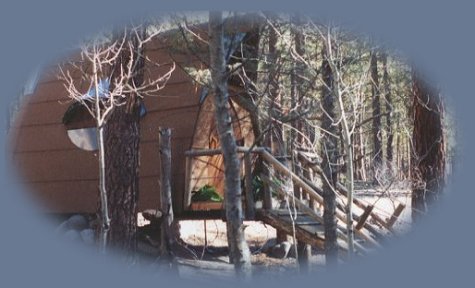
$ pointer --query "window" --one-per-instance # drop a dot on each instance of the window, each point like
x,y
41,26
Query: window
x,y
80,125
84,138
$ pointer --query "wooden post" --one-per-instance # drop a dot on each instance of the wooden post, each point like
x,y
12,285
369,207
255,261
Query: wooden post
x,y
304,251
166,192
267,201
364,217
396,214
250,213
307,174
267,195
187,198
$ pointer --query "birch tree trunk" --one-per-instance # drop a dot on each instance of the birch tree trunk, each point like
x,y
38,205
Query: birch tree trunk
x,y
239,250
104,210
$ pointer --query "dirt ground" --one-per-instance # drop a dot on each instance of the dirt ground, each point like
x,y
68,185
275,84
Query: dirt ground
x,y
207,238
203,251
209,241
212,251
193,232
258,233
206,241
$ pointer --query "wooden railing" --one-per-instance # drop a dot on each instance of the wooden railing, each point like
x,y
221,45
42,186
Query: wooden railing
x,y
361,225
363,233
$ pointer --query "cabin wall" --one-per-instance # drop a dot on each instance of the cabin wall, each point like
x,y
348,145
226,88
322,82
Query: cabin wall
x,y
63,177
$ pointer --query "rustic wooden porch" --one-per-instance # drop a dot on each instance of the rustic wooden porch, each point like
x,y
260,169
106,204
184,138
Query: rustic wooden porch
x,y
302,215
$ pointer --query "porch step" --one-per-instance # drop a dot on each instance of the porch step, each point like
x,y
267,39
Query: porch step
x,y
307,229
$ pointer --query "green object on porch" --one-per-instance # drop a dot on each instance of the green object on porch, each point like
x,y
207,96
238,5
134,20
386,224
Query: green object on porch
x,y
206,193
258,188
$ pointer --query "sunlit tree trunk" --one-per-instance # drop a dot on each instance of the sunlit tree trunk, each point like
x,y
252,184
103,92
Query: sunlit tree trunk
x,y
239,250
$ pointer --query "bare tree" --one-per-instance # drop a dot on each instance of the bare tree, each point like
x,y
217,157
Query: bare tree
x,y
297,139
239,250
112,69
329,158
338,87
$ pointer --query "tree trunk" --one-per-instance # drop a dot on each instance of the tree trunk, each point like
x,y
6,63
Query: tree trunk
x,y
122,138
409,156
377,148
398,153
389,110
348,160
277,137
239,250
361,145
329,158
104,210
103,202
347,148
297,141
428,163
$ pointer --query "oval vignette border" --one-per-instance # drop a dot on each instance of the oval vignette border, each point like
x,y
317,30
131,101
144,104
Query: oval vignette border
x,y
436,36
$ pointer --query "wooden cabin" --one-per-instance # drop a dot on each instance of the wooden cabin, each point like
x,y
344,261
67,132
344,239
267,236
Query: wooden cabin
x,y
64,177
58,162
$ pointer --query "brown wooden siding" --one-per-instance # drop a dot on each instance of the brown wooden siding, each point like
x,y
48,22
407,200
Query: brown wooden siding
x,y
82,196
65,178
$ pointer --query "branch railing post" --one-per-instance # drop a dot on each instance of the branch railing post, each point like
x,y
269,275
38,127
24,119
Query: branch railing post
x,y
167,239
250,212
188,163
